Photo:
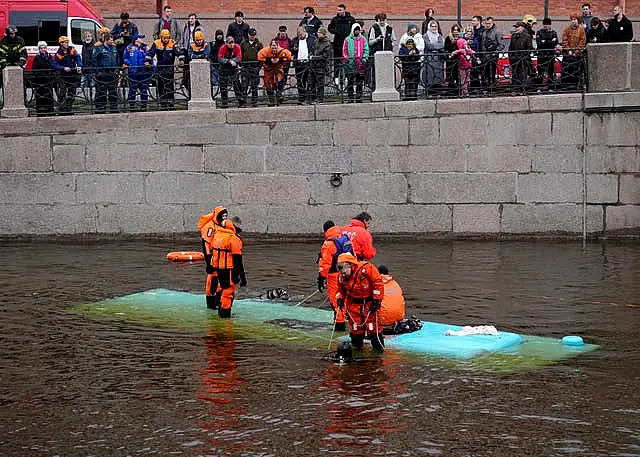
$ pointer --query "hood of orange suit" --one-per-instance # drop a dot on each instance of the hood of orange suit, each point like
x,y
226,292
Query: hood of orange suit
x,y
333,232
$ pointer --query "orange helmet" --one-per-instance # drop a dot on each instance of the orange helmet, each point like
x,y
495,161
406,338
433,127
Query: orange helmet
x,y
165,34
104,30
199,35
347,257
62,39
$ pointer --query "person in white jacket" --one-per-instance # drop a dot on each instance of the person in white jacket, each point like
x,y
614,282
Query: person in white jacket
x,y
412,32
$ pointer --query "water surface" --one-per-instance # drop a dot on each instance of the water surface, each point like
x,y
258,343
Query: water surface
x,y
74,386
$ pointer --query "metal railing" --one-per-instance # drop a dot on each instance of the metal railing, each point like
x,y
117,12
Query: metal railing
x,y
299,82
439,75
48,92
432,75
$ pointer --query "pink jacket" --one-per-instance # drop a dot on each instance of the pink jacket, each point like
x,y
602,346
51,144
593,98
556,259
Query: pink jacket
x,y
464,55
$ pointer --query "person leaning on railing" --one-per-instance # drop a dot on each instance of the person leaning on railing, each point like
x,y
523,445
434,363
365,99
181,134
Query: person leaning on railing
x,y
433,66
574,41
106,65
301,50
320,64
43,78
139,75
519,48
547,40
230,56
68,63
165,51
275,59
410,58
355,52
491,45
250,48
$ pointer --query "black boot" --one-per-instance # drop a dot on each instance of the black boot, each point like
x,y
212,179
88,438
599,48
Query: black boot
x,y
225,313
357,340
377,342
213,301
340,327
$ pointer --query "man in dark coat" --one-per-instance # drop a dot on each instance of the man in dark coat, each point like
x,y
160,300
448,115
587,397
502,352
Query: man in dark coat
x,y
238,29
340,27
311,22
302,50
620,28
519,49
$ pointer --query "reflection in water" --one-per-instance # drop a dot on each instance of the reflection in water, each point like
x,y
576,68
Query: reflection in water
x,y
361,402
221,386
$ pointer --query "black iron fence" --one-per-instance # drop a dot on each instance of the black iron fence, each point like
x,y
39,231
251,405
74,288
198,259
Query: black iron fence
x,y
298,82
432,75
48,92
444,75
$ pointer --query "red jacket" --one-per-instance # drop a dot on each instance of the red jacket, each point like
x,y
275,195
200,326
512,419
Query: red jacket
x,y
361,239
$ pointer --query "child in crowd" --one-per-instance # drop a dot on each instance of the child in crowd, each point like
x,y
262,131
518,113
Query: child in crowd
x,y
465,55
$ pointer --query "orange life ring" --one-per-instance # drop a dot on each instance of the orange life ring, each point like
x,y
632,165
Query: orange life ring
x,y
185,256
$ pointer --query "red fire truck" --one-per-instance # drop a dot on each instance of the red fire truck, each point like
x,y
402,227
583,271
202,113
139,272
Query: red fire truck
x,y
47,20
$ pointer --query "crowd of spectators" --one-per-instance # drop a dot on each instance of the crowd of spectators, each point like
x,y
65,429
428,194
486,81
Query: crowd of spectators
x,y
465,59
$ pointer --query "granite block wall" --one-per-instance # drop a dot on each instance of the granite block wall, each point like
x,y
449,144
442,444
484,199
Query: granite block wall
x,y
504,166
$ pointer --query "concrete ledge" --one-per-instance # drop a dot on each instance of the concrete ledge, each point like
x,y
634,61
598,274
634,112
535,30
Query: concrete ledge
x,y
349,111
467,105
410,109
95,123
557,102
609,101
269,114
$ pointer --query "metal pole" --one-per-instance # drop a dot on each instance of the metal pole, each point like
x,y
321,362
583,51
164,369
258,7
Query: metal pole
x,y
546,8
459,11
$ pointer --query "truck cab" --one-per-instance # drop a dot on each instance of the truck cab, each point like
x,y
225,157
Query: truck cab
x,y
47,20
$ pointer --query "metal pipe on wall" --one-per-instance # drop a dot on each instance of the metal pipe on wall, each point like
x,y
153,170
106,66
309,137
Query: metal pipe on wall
x,y
459,11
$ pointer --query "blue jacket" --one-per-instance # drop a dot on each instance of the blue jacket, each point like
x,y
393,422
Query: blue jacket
x,y
105,56
165,54
197,52
134,58
69,58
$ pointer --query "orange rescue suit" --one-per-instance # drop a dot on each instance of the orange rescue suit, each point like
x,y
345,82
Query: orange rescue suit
x,y
325,264
361,239
208,226
358,291
226,244
274,71
392,309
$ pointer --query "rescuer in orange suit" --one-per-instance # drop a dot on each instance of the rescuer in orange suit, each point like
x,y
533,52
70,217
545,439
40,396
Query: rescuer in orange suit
x,y
361,239
328,271
360,293
392,309
208,224
227,261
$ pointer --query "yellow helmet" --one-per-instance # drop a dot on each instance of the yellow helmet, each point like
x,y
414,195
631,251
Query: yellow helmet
x,y
164,33
62,39
198,35
104,30
529,19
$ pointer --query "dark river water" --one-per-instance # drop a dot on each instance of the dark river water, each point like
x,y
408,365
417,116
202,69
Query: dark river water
x,y
76,386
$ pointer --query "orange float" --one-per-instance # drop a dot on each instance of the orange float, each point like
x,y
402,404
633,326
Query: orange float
x,y
185,256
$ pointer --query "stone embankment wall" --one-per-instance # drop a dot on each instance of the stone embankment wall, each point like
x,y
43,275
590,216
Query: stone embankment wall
x,y
539,164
